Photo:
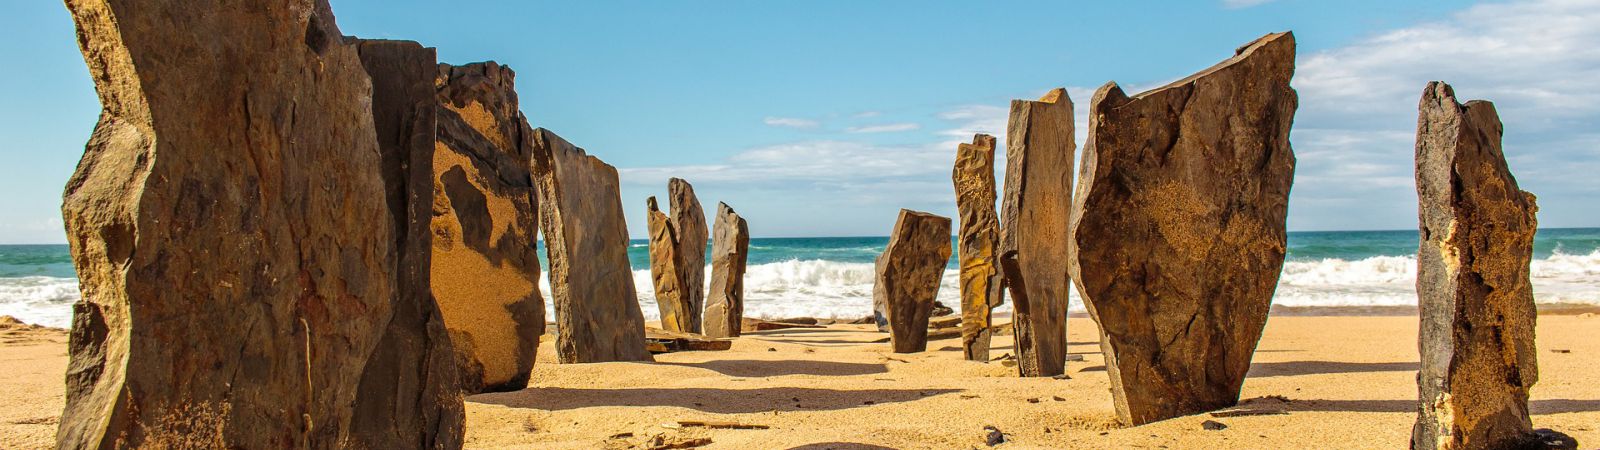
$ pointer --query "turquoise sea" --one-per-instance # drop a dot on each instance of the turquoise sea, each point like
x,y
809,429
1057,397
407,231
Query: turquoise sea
x,y
832,277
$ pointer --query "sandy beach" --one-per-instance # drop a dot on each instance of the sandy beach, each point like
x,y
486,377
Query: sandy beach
x,y
1343,382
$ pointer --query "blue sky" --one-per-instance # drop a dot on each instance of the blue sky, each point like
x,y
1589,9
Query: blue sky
x,y
823,118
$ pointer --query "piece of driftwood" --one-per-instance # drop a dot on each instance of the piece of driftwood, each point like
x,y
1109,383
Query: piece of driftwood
x,y
763,325
663,341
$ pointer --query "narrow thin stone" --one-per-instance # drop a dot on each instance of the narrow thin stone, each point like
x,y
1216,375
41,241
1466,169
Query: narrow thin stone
x,y
730,251
1033,244
981,285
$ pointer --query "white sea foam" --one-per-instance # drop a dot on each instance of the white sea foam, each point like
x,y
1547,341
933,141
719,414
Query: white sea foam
x,y
39,300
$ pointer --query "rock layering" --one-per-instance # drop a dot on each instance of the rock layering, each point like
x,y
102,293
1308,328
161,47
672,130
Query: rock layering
x,y
907,277
1033,233
730,249
689,226
666,274
229,226
597,311
410,393
1477,227
979,240
1178,228
485,268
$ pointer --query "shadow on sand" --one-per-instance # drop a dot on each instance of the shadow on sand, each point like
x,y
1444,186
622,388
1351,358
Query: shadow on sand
x,y
768,368
1536,407
721,401
840,446
1292,368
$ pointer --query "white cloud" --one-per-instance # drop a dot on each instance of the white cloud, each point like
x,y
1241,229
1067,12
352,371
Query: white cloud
x,y
866,114
885,128
790,122
1236,4
808,162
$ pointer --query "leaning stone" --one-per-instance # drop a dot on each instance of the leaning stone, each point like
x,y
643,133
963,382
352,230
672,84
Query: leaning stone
x,y
229,227
1178,229
729,251
597,309
979,240
907,276
689,227
1033,246
671,298
485,267
1475,297
410,392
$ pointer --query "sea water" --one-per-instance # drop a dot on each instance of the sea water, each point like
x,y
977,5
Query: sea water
x,y
832,277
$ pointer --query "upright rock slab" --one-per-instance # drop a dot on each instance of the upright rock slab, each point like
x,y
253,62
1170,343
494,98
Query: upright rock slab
x,y
1178,228
485,216
665,273
979,239
586,237
689,223
1033,234
410,393
907,277
230,228
1473,290
730,250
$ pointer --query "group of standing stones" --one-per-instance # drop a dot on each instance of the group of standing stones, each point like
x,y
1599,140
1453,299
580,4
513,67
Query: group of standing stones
x,y
677,264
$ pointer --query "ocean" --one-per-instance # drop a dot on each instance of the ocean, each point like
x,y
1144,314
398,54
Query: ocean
x,y
832,277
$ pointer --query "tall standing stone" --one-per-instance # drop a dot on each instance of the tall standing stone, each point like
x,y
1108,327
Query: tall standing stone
x,y
689,223
1033,233
730,249
1476,301
410,393
907,275
229,226
979,240
485,217
1178,229
666,274
597,311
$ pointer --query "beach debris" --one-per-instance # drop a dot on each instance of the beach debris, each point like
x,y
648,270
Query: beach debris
x,y
586,240
940,310
945,333
409,388
979,242
937,322
1242,411
1560,350
1034,213
730,249
1074,357
664,442
672,294
748,324
1033,400
667,341
484,267
864,321
993,436
1473,289
906,278
1545,438
1213,425
717,424
1178,254
236,192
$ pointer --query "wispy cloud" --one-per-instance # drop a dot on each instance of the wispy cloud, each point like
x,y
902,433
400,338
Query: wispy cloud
x,y
1237,4
866,114
790,122
885,128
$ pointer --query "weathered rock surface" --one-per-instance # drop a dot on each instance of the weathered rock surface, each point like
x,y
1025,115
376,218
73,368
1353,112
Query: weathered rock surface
x,y
730,250
586,237
229,226
1033,233
410,393
979,242
689,226
1477,227
671,298
1178,228
907,276
485,216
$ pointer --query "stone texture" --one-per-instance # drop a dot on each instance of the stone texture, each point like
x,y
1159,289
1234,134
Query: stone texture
x,y
597,311
979,241
485,216
1033,233
410,392
1477,227
1178,228
689,226
229,226
907,277
671,296
730,250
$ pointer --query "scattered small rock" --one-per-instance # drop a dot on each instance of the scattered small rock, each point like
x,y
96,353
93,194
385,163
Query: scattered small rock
x,y
664,442
1058,398
1213,425
1560,350
869,402
1071,358
994,437
1553,440
1061,377
1033,400
770,349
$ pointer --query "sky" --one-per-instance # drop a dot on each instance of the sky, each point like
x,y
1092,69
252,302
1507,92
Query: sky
x,y
824,118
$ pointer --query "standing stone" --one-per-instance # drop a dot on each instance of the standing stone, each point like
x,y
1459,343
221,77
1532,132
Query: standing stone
x,y
730,249
485,216
979,239
1178,229
410,393
671,298
689,225
597,311
229,226
1478,357
1033,234
907,277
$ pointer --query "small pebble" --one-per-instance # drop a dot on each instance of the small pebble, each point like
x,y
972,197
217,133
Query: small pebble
x,y
1213,425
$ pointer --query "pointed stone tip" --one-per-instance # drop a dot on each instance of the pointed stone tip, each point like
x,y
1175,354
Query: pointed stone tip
x,y
652,203
1263,40
1055,95
983,140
